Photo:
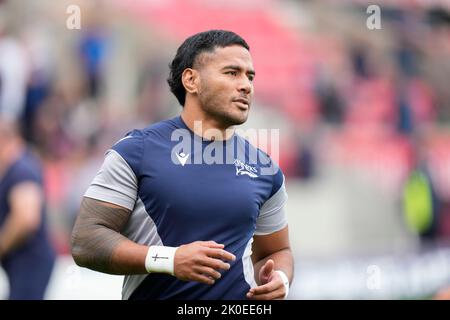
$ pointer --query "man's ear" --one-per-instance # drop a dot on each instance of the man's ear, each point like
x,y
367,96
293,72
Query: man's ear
x,y
190,80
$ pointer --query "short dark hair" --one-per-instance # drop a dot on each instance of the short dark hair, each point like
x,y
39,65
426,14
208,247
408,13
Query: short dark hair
x,y
191,48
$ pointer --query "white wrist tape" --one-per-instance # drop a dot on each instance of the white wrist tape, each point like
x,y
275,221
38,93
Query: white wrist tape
x,y
285,282
160,259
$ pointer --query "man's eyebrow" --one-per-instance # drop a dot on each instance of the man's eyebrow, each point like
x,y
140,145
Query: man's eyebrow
x,y
238,68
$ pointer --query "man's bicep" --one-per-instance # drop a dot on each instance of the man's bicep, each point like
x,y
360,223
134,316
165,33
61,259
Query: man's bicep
x,y
105,210
265,245
97,212
96,233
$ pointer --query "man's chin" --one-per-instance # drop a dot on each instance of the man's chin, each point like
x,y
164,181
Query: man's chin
x,y
230,120
236,121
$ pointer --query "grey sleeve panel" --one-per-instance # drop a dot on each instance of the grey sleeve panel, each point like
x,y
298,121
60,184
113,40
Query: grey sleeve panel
x,y
272,216
115,182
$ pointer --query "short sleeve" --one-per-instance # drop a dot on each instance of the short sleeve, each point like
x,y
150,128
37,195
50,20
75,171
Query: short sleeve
x,y
272,216
26,173
117,182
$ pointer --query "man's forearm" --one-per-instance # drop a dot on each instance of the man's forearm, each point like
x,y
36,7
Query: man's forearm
x,y
97,243
24,218
12,234
283,261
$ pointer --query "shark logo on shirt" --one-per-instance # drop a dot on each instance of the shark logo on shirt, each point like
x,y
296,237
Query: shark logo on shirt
x,y
245,169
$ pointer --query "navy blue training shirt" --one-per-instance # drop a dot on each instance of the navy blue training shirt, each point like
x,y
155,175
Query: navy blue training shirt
x,y
36,250
182,189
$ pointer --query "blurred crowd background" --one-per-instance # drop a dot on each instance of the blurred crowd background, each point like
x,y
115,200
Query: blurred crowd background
x,y
363,116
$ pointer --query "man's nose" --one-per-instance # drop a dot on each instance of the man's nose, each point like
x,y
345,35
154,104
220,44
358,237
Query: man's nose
x,y
245,86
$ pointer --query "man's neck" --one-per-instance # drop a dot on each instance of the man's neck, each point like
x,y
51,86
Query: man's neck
x,y
205,126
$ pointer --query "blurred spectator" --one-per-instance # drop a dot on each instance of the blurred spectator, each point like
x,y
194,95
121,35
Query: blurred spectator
x,y
421,204
40,78
360,61
93,49
305,163
407,58
25,250
330,100
50,128
415,105
405,118
13,75
152,83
